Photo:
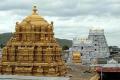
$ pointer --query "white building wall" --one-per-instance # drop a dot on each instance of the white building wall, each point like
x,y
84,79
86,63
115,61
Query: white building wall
x,y
86,49
92,48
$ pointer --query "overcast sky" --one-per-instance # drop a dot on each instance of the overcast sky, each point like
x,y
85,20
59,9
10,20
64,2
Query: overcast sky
x,y
72,18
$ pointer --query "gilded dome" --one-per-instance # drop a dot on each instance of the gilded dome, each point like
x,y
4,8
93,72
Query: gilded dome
x,y
35,19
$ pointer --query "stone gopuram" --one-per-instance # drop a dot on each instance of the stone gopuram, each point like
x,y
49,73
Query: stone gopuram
x,y
99,41
33,49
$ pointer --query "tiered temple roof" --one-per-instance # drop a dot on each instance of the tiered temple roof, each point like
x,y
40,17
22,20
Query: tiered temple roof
x,y
33,49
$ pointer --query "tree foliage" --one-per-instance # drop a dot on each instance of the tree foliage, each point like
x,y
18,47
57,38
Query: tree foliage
x,y
65,47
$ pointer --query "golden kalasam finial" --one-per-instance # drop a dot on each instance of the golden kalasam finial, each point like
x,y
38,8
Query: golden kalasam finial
x,y
34,10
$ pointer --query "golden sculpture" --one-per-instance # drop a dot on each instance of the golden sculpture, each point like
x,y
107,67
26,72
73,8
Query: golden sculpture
x,y
33,49
76,57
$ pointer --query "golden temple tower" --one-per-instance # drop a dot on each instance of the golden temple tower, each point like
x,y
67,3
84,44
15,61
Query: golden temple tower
x,y
33,49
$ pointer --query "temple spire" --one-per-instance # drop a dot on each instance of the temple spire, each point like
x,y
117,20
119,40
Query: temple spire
x,y
34,10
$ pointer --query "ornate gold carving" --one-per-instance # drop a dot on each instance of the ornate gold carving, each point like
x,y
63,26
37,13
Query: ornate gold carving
x,y
33,49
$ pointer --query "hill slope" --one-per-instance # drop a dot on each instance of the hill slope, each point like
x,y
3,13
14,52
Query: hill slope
x,y
64,42
4,37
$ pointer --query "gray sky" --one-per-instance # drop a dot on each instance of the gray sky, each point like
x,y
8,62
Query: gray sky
x,y
71,17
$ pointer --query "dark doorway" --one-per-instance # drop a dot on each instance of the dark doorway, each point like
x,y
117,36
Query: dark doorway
x,y
110,76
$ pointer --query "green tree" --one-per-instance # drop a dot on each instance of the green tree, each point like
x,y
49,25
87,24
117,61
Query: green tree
x,y
65,47
1,45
